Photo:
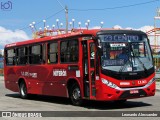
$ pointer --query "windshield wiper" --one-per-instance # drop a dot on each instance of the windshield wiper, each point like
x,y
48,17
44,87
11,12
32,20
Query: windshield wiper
x,y
125,65
145,69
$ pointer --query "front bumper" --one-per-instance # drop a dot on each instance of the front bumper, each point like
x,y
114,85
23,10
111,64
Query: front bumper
x,y
105,93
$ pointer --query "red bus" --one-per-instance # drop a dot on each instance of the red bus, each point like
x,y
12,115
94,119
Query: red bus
x,y
102,65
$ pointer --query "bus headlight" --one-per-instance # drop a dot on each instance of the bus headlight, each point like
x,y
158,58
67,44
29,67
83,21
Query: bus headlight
x,y
151,81
108,83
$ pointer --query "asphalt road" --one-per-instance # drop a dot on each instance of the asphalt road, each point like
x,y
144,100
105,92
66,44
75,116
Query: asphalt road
x,y
10,101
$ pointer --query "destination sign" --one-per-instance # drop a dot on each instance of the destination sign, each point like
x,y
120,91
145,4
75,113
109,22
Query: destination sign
x,y
118,45
120,38
119,62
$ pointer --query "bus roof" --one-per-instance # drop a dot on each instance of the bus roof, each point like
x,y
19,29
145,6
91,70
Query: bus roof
x,y
80,32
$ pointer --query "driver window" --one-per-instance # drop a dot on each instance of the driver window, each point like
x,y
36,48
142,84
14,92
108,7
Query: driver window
x,y
92,54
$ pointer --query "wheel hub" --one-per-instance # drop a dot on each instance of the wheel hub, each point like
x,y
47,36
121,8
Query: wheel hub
x,y
76,93
23,90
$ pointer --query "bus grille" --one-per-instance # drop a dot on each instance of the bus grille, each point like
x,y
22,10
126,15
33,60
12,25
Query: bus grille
x,y
127,94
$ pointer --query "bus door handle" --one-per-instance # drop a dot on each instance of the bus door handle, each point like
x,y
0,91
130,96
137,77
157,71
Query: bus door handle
x,y
87,81
73,67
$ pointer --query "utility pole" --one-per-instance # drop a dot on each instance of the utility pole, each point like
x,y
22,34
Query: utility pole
x,y
66,12
157,17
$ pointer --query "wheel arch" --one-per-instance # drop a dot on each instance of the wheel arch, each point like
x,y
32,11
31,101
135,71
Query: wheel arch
x,y
70,82
22,79
23,88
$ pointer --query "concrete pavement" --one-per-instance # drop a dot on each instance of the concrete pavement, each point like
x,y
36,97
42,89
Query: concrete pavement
x,y
1,78
11,102
158,86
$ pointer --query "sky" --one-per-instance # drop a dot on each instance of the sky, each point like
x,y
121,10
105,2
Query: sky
x,y
16,15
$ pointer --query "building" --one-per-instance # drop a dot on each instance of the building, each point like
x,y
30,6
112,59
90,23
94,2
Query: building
x,y
1,52
1,66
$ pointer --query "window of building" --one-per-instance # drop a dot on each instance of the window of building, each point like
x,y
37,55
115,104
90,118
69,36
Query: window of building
x,y
35,54
10,57
53,52
69,51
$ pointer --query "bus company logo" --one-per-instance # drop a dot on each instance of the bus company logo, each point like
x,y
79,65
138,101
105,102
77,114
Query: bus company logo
x,y
59,72
10,45
6,5
133,83
28,74
6,114
124,83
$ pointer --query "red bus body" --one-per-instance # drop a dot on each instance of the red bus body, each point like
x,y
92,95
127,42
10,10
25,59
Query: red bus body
x,y
56,79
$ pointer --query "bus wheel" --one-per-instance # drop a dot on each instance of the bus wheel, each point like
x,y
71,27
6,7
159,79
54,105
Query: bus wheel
x,y
23,90
75,95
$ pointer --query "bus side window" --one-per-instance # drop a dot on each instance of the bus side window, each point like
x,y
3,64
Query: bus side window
x,y
44,53
63,51
73,50
10,57
35,54
92,54
53,52
69,51
22,56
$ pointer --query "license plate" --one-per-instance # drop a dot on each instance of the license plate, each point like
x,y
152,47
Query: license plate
x,y
134,91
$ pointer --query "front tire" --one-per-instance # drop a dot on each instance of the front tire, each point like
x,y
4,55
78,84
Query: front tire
x,y
23,90
75,95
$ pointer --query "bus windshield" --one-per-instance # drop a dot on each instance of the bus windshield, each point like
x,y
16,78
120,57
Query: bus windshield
x,y
125,53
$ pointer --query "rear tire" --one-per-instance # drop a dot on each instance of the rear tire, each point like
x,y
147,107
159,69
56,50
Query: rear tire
x,y
75,95
23,90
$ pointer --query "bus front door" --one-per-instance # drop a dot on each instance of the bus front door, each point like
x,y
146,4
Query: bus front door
x,y
89,69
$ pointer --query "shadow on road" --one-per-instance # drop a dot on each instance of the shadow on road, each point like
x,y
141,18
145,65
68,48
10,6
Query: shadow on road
x,y
112,105
99,105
